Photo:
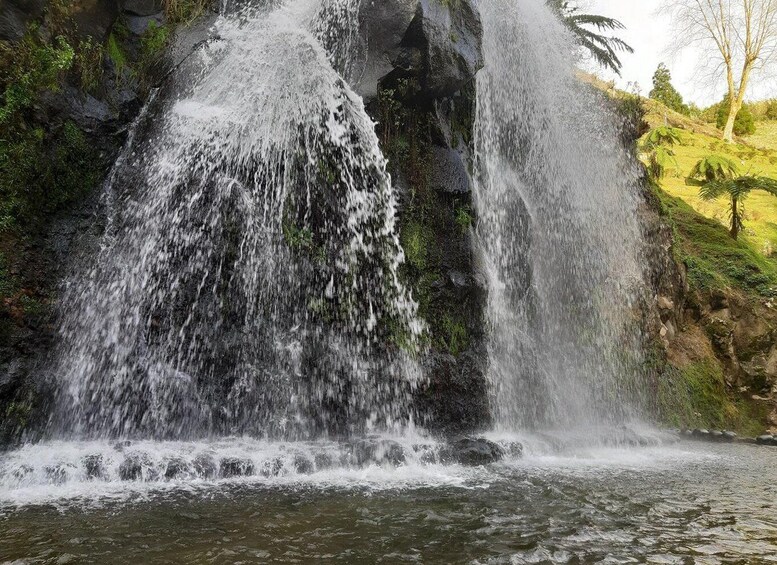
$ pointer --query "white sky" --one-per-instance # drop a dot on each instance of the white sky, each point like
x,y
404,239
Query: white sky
x,y
648,32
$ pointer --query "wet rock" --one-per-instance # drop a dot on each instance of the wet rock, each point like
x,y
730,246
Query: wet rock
x,y
369,451
272,468
142,7
176,468
303,465
131,469
56,474
95,17
22,471
121,445
513,449
236,467
204,466
729,436
765,439
449,172
323,461
390,452
138,25
472,452
16,14
701,433
93,465
437,44
716,435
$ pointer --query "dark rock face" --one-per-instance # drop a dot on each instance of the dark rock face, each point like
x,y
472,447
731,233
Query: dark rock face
x,y
438,44
16,14
422,57
95,17
141,7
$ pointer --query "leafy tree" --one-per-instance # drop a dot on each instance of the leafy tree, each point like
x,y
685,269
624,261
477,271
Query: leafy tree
x,y
739,36
664,92
744,123
737,190
657,146
604,48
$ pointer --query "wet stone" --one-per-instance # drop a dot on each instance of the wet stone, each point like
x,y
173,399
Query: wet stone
x,y
303,465
131,469
176,468
271,468
389,452
765,439
701,433
235,467
323,461
473,452
729,436
93,465
204,466
56,474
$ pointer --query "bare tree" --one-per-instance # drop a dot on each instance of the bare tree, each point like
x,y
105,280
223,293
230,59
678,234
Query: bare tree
x,y
740,34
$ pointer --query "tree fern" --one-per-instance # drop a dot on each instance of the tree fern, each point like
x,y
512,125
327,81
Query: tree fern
x,y
737,190
604,48
712,168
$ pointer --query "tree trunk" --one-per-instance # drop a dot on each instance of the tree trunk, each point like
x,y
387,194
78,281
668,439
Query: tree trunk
x,y
734,218
728,131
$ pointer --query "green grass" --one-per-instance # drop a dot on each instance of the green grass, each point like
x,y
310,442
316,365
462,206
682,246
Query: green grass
x,y
757,157
765,135
713,259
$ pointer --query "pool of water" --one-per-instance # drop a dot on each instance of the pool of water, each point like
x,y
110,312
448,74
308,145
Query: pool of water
x,y
679,503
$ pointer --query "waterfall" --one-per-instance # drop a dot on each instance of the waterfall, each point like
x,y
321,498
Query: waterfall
x,y
557,200
247,282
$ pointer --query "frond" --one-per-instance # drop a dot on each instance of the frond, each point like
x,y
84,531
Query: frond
x,y
715,189
602,23
711,168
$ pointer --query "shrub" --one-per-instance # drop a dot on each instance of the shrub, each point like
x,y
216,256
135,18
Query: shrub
x,y
744,124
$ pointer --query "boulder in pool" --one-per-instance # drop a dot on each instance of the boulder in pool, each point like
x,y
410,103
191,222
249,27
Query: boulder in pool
x,y
236,467
472,452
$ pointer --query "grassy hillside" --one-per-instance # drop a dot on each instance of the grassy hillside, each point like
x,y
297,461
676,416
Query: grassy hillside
x,y
756,154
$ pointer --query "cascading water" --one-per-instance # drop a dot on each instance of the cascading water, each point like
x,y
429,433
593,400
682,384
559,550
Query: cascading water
x,y
556,195
248,280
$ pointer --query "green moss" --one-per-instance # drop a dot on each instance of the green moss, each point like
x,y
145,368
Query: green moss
x,y
297,238
696,396
416,242
454,335
153,43
713,259
28,69
117,54
464,217
42,171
